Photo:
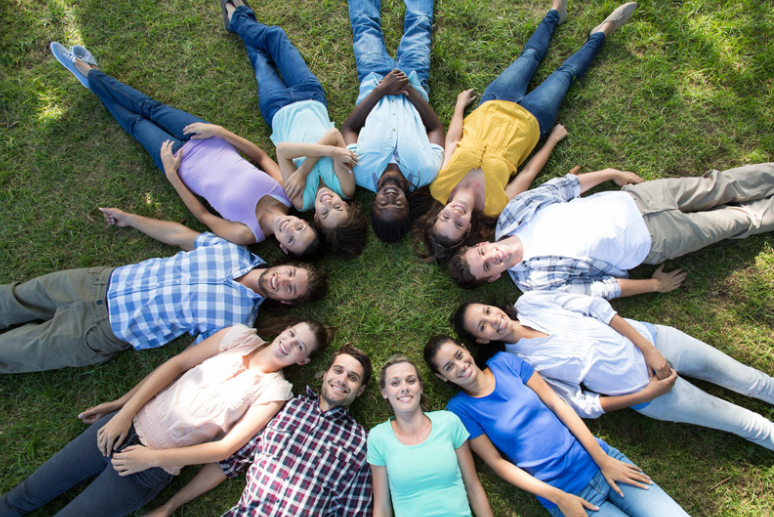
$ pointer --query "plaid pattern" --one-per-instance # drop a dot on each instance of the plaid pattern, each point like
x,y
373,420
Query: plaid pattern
x,y
157,300
304,463
582,276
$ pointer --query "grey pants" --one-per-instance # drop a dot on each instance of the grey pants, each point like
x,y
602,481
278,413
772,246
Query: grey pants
x,y
65,322
687,214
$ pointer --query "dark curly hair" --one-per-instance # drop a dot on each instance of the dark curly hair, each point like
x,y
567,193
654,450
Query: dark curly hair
x,y
348,239
437,248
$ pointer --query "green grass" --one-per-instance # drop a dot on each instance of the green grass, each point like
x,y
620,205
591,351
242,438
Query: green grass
x,y
685,87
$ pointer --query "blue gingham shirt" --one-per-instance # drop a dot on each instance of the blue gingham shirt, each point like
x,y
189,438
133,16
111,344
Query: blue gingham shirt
x,y
157,300
576,275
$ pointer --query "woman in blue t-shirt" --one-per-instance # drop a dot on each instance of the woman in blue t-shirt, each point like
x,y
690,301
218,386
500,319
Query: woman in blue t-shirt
x,y
421,462
550,451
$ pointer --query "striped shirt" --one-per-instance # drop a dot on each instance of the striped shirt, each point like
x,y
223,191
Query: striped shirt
x,y
157,300
304,462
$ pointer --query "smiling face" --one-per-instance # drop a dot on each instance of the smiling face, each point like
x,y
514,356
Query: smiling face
x,y
487,323
342,382
455,364
489,260
329,209
402,387
284,283
293,234
453,222
294,345
390,203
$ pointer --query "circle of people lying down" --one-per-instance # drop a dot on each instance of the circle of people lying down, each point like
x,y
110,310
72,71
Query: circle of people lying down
x,y
225,403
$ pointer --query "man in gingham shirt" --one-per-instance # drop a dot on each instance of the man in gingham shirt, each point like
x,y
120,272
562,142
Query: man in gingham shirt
x,y
89,315
310,460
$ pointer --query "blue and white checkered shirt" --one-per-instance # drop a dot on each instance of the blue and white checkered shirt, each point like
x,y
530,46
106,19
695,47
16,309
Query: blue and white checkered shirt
x,y
157,300
576,275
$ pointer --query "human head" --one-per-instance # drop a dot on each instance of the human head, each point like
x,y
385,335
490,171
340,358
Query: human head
x,y
346,377
321,334
293,283
297,237
482,324
390,217
485,262
388,376
347,237
450,360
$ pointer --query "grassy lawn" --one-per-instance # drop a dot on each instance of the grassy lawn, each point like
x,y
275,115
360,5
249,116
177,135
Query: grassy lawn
x,y
685,87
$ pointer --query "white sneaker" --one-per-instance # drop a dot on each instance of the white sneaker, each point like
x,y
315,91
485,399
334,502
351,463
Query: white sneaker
x,y
620,16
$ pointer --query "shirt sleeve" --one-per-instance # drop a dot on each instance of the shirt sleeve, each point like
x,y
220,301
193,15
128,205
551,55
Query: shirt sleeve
x,y
208,239
375,454
458,408
235,463
594,307
356,499
564,274
585,403
277,389
458,432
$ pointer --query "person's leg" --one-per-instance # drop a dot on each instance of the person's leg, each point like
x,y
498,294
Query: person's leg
x,y
544,101
638,502
76,328
368,40
148,121
511,84
596,493
414,49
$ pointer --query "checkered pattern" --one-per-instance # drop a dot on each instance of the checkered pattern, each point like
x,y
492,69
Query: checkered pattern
x,y
305,462
157,300
583,276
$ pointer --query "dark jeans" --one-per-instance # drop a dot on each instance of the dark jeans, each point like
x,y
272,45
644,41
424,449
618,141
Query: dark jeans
x,y
148,121
543,102
107,495
282,75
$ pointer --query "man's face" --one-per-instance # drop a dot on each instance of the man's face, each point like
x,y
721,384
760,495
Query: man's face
x,y
390,203
487,261
284,283
343,381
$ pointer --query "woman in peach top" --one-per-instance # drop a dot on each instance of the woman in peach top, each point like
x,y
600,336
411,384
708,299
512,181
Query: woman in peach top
x,y
200,406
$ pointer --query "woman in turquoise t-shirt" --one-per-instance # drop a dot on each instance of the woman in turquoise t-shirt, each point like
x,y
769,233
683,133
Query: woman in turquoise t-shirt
x,y
420,462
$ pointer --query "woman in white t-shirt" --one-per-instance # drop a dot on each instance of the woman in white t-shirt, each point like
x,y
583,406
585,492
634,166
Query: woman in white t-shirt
x,y
201,406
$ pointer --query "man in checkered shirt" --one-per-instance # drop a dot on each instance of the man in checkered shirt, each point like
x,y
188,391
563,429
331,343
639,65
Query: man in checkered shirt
x,y
309,460
85,316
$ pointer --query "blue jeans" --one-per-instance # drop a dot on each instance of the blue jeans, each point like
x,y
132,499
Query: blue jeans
x,y
282,75
543,102
368,40
148,121
637,503
687,403
107,495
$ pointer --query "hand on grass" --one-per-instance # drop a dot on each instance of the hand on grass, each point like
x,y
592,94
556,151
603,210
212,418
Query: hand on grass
x,y
465,98
93,414
668,281
115,217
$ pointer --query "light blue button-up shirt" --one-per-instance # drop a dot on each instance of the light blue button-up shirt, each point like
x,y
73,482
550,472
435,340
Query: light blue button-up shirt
x,y
394,125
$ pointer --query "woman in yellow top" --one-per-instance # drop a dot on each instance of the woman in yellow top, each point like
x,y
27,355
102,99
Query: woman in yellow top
x,y
484,151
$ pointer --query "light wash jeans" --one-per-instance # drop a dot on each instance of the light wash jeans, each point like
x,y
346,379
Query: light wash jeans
x,y
368,40
653,502
687,403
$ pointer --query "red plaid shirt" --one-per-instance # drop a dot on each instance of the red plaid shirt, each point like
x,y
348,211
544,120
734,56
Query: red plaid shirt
x,y
304,462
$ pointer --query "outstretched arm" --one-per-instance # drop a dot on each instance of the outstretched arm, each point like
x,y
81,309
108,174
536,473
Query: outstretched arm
x,y
476,495
392,84
208,477
167,232
590,180
660,282
654,389
454,134
527,175
382,499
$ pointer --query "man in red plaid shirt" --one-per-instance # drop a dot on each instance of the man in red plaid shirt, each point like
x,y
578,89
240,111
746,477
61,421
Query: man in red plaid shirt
x,y
309,460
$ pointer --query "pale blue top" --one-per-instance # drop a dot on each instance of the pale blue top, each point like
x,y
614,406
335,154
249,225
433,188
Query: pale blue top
x,y
394,124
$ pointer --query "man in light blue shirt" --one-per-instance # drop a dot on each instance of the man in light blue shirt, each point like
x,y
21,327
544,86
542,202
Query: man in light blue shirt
x,y
394,131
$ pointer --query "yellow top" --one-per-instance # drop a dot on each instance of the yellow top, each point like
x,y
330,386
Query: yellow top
x,y
497,137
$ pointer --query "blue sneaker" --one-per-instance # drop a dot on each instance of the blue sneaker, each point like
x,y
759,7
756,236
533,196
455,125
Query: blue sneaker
x,y
80,52
67,59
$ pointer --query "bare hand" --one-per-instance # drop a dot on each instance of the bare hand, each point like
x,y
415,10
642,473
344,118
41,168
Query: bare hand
x,y
115,217
574,170
394,83
557,134
657,387
132,460
656,363
465,98
170,161
617,471
113,434
668,281
344,156
573,506
295,184
93,414
622,178
201,130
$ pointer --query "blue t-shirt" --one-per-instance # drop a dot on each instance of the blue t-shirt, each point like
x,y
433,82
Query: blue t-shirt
x,y
524,429
425,478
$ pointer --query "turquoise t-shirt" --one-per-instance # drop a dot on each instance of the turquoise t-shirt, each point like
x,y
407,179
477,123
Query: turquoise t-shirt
x,y
306,122
425,479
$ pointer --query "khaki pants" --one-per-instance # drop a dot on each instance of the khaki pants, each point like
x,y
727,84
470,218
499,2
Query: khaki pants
x,y
65,320
687,214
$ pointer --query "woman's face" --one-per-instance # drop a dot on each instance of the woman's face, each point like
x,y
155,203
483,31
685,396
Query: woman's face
x,y
453,222
487,323
455,364
329,209
402,387
294,345
293,234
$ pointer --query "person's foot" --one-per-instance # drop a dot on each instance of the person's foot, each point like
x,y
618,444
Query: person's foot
x,y
227,6
67,59
561,7
84,55
616,19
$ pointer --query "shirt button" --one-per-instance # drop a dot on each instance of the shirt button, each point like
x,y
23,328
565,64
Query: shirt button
x,y
99,302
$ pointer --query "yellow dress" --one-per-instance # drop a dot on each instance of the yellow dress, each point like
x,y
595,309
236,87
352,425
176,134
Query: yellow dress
x,y
497,137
